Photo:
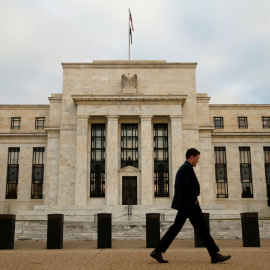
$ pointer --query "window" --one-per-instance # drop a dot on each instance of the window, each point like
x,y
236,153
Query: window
x,y
15,122
245,171
266,122
97,175
161,161
129,145
40,123
218,122
12,172
267,171
242,122
221,172
37,173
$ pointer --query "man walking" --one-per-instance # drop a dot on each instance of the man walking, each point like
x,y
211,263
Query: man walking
x,y
187,189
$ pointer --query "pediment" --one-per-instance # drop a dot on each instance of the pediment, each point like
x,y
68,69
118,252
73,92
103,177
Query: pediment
x,y
130,169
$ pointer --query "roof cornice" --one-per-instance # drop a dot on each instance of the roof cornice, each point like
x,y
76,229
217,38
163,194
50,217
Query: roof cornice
x,y
24,107
88,99
238,106
129,64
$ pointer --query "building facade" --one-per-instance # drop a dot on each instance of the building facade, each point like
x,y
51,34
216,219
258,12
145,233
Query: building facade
x,y
117,135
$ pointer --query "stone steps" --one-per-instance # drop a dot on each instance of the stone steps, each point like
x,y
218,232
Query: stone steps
x,y
119,212
220,229
80,222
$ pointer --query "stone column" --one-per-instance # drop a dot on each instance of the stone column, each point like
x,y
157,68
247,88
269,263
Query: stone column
x,y
177,149
25,174
206,164
52,168
81,161
112,161
147,161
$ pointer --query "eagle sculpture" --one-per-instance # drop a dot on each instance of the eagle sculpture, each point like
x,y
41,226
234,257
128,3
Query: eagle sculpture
x,y
128,82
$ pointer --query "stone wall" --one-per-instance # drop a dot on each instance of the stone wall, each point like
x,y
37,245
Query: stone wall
x,y
256,137
26,138
254,114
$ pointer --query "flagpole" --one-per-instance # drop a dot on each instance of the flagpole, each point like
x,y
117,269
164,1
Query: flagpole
x,y
128,34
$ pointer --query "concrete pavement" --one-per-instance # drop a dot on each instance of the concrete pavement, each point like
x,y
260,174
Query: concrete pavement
x,y
132,254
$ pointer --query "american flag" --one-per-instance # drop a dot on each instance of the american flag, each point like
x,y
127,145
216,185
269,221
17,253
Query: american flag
x,y
131,23
130,27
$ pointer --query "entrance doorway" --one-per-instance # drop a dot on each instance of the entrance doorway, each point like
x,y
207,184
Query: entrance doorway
x,y
129,190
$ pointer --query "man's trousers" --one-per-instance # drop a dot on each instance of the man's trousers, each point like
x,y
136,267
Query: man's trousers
x,y
195,215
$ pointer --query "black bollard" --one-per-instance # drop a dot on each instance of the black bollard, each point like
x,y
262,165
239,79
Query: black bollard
x,y
152,229
7,231
197,239
104,230
55,231
250,229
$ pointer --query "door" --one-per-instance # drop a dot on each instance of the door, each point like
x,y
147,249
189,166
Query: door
x,y
129,190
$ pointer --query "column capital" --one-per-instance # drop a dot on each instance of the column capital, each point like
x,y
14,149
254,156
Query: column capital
x,y
176,117
112,117
82,117
146,117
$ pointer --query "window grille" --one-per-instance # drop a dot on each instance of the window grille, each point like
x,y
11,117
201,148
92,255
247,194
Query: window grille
x,y
12,172
266,122
245,171
221,172
97,175
15,122
37,173
218,122
267,170
129,145
40,123
161,160
242,122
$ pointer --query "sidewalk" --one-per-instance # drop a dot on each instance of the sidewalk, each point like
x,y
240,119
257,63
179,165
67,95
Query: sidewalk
x,y
132,254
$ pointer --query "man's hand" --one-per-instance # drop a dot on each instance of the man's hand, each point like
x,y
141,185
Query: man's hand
x,y
196,202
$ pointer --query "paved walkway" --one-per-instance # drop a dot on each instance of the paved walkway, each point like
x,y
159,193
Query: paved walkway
x,y
132,255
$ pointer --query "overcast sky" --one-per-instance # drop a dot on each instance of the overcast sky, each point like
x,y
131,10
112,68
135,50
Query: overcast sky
x,y
229,39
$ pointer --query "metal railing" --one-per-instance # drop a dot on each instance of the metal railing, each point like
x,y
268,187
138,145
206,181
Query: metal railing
x,y
129,209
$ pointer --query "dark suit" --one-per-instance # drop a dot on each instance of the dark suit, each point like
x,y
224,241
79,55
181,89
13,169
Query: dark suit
x,y
187,188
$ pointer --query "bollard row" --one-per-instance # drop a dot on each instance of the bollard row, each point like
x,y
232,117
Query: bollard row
x,y
249,222
198,242
152,230
104,230
250,229
7,231
55,231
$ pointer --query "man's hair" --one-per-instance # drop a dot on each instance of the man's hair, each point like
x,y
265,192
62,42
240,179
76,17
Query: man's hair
x,y
192,152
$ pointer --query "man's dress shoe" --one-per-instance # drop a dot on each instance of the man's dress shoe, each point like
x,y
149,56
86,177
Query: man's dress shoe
x,y
158,257
220,258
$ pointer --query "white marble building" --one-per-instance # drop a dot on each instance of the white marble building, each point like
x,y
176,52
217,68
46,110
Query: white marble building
x,y
118,133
